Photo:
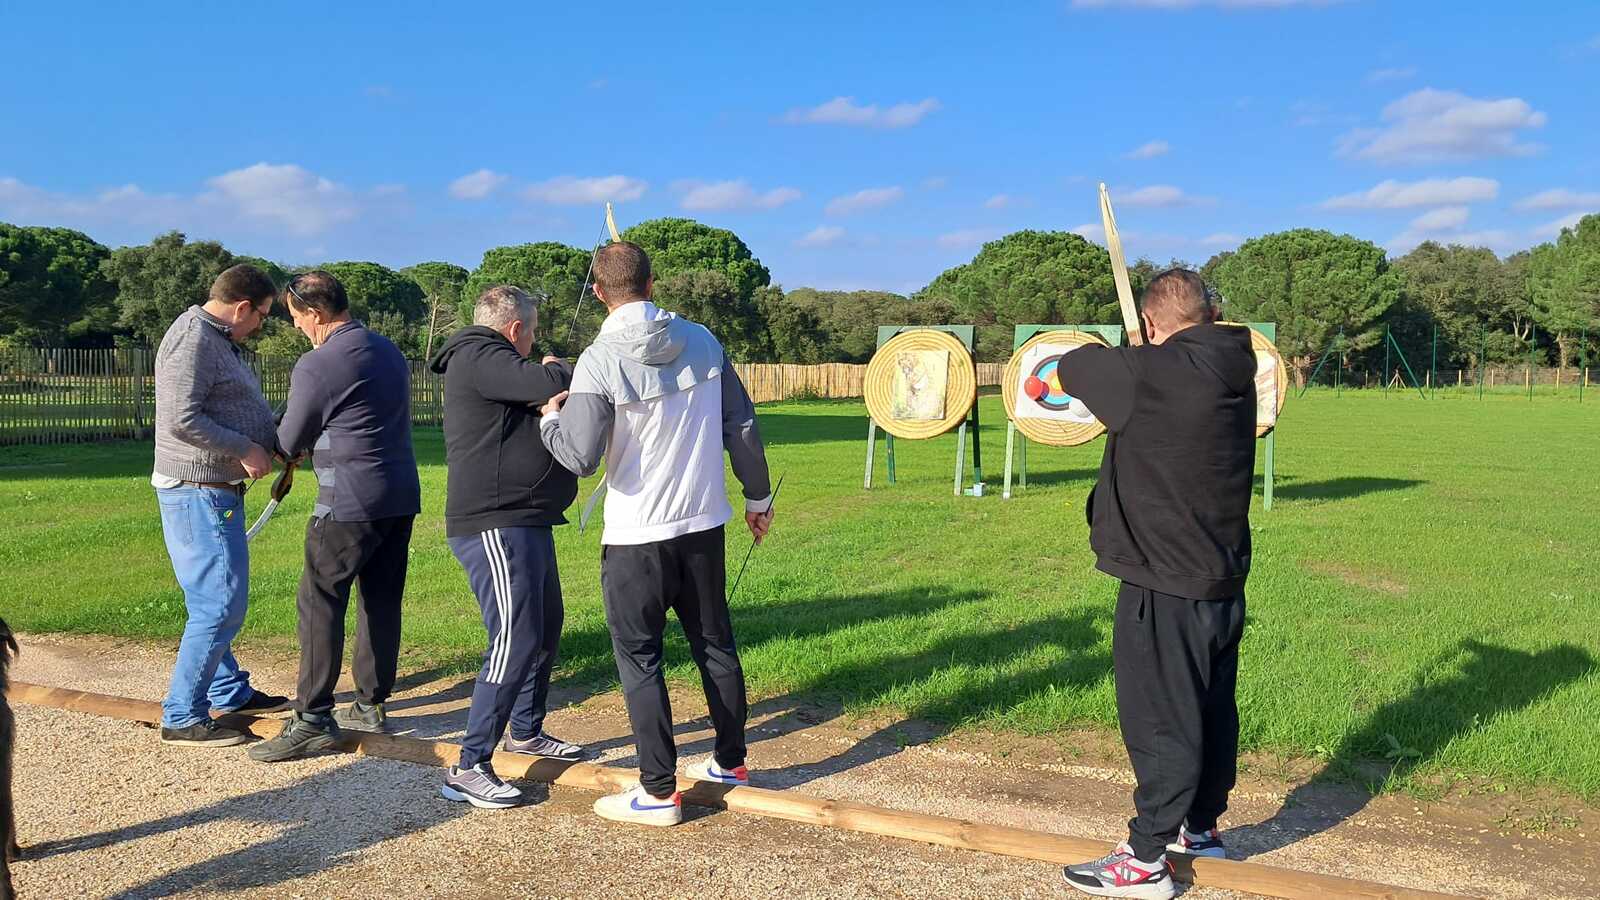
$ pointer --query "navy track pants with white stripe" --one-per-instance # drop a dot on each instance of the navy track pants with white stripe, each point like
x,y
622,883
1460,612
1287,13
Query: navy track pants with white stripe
x,y
513,573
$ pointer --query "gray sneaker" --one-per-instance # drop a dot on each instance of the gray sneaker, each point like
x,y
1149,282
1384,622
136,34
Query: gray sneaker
x,y
479,786
300,737
545,745
359,716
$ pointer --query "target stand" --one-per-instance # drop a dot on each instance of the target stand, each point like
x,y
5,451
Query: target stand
x,y
965,334
1017,452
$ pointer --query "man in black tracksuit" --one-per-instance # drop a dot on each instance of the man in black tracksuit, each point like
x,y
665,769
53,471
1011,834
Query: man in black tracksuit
x,y
1169,516
504,494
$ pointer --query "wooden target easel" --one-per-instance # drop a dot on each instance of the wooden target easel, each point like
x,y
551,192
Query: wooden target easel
x,y
961,399
1022,334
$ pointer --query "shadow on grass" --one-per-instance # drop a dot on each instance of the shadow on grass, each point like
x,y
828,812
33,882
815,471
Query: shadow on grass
x,y
304,840
1452,695
984,664
1336,488
593,668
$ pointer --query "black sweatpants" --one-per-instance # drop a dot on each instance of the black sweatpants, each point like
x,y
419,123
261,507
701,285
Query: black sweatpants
x,y
513,573
1177,665
371,555
639,584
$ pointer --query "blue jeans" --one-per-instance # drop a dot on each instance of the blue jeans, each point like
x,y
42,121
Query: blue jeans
x,y
204,529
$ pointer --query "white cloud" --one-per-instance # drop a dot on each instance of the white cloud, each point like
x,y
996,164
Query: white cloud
x,y
1444,218
1001,201
935,183
1393,194
1221,239
1431,125
846,111
1160,195
566,190
1561,198
1093,231
1554,229
284,199
968,237
1149,151
1445,226
1378,76
1194,4
477,185
703,196
871,198
285,196
821,236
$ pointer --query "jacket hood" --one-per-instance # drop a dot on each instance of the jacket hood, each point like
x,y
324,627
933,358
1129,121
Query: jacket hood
x,y
471,336
656,340
1225,351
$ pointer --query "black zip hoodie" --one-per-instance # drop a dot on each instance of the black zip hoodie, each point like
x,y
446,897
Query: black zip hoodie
x,y
1171,511
500,474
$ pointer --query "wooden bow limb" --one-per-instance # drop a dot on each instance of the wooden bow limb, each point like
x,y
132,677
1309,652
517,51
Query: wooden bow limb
x,y
280,489
1119,271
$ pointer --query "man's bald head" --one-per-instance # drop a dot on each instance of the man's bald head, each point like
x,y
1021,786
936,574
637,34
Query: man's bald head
x,y
1175,300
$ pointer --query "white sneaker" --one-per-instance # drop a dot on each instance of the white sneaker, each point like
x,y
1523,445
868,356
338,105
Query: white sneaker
x,y
708,770
636,805
1204,843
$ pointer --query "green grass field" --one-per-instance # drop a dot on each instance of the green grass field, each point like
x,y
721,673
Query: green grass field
x,y
1424,592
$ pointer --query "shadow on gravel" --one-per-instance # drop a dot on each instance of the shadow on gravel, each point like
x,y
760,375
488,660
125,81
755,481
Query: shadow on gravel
x,y
1453,694
307,833
754,623
1007,675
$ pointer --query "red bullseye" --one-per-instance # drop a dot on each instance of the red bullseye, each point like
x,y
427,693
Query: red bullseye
x,y
1035,388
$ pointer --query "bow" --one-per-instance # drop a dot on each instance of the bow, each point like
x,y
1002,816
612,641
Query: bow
x,y
752,549
280,489
611,226
1119,271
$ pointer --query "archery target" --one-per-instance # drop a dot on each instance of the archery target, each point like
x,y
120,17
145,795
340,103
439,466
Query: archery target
x,y
1034,397
1040,394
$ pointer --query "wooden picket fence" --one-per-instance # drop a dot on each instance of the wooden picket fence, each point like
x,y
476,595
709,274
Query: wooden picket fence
x,y
55,396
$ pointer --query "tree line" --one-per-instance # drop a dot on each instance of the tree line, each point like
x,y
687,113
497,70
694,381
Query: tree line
x,y
59,287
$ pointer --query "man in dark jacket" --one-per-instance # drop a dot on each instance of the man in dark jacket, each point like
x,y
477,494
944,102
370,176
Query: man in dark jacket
x,y
1169,516
350,406
504,494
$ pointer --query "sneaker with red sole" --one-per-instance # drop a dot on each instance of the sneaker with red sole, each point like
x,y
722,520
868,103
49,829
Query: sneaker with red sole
x,y
1122,874
708,770
1202,843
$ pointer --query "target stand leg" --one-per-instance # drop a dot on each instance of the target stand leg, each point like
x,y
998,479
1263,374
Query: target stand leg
x,y
1023,481
961,455
872,442
1011,441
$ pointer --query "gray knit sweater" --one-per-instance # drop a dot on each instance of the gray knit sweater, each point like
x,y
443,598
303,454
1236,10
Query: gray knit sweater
x,y
209,407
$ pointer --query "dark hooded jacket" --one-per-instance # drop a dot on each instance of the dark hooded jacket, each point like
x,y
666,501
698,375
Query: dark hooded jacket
x,y
500,474
1171,510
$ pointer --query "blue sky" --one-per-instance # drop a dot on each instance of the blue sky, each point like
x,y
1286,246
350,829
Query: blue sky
x,y
850,145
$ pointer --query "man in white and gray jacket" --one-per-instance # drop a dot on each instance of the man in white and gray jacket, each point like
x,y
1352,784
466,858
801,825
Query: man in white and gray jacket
x,y
656,398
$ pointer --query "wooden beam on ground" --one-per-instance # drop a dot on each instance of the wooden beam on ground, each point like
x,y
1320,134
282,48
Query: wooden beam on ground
x,y
791,806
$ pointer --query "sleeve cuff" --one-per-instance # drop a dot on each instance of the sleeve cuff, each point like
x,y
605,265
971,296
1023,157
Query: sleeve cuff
x,y
550,418
758,506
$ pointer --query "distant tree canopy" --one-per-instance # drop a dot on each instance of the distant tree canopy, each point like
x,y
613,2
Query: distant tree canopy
x,y
159,280
58,287
1315,285
53,290
1029,277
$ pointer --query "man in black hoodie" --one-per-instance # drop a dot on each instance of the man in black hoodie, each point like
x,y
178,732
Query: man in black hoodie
x,y
1170,518
503,494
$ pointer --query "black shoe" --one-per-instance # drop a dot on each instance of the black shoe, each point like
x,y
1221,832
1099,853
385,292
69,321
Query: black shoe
x,y
203,734
360,716
259,704
300,737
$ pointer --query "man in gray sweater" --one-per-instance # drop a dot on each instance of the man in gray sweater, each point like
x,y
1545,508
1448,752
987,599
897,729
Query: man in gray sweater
x,y
213,430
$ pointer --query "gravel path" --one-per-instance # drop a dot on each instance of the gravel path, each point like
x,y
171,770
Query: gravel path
x,y
107,811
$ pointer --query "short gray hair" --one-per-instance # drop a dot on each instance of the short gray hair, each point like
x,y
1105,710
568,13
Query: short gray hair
x,y
502,304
